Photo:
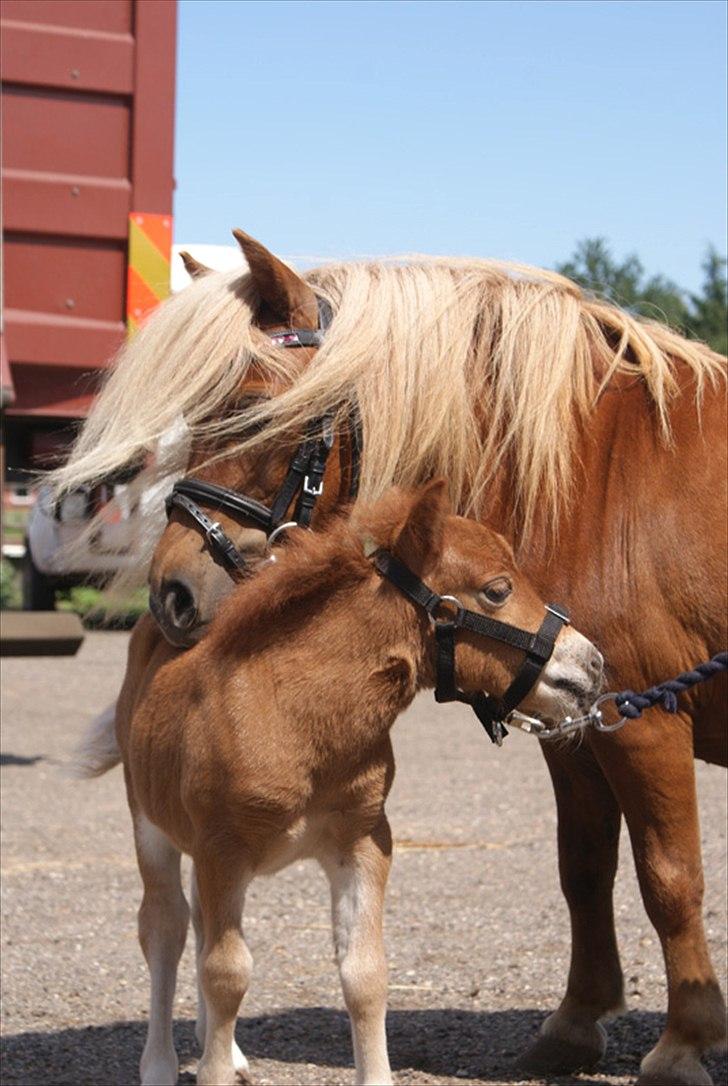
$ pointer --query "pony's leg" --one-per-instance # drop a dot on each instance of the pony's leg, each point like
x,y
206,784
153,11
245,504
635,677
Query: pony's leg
x,y
588,820
163,919
240,1063
225,962
652,771
358,879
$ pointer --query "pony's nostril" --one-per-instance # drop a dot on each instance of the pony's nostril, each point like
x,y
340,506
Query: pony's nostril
x,y
179,604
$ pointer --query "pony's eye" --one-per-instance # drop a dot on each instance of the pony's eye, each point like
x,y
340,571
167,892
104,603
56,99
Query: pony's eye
x,y
497,591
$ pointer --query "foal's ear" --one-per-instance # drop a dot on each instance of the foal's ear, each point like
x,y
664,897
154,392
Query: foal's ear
x,y
410,523
418,539
285,298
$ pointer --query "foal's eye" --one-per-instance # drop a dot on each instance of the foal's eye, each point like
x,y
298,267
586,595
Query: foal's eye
x,y
497,591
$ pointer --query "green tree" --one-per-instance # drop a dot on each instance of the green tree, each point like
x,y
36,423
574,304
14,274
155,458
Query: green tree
x,y
701,316
709,310
595,269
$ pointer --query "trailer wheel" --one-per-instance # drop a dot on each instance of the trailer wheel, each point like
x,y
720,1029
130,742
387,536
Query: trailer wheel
x,y
39,593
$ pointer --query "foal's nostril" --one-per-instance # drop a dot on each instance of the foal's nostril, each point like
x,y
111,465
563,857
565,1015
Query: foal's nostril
x,y
179,604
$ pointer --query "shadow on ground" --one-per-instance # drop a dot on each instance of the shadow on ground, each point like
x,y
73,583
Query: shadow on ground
x,y
440,1043
19,759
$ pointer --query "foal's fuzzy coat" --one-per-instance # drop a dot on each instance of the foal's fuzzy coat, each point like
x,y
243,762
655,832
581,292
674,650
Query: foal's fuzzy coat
x,y
269,741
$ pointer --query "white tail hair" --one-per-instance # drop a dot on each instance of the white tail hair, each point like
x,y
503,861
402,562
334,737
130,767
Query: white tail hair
x,y
98,751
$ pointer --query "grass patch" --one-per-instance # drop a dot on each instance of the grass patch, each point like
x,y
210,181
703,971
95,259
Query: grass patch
x,y
97,612
11,595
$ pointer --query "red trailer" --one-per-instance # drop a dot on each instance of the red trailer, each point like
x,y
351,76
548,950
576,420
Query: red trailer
x,y
88,124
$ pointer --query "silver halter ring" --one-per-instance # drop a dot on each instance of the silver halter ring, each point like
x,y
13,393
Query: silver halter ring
x,y
279,531
435,618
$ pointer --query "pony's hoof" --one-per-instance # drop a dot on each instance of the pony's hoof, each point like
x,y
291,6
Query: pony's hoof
x,y
667,1065
698,1077
551,1055
687,1073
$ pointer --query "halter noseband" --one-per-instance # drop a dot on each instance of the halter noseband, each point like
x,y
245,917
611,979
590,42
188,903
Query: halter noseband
x,y
492,712
305,476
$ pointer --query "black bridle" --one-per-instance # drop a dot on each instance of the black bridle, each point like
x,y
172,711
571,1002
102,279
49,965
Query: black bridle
x,y
304,481
492,712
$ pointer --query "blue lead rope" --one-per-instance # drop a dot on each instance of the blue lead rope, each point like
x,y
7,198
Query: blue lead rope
x,y
631,705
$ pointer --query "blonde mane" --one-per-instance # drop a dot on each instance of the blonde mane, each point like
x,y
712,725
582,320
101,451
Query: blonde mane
x,y
457,367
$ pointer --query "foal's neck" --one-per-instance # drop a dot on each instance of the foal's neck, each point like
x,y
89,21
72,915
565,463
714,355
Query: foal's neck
x,y
346,668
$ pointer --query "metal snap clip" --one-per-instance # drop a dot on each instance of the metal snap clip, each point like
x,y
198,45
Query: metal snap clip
x,y
596,714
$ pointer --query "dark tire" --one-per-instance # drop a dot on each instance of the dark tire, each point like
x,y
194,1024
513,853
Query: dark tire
x,y
39,592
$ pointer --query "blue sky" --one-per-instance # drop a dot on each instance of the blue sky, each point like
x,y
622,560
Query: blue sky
x,y
505,129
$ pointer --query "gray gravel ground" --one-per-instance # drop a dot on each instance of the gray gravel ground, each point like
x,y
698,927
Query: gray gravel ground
x,y
476,926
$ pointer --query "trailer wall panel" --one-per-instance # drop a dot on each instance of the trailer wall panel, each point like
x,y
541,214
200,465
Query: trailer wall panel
x,y
114,16
88,118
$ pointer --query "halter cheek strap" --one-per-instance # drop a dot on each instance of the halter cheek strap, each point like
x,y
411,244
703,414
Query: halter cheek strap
x,y
191,494
305,476
491,711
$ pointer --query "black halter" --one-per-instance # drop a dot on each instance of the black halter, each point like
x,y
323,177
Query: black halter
x,y
538,647
305,476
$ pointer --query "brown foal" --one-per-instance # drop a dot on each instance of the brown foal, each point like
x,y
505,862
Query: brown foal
x,y
269,741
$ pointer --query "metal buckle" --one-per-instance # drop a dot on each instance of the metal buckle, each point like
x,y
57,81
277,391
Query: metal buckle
x,y
214,531
315,490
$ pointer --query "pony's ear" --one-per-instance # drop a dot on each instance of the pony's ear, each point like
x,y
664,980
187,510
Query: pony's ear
x,y
410,523
193,267
285,298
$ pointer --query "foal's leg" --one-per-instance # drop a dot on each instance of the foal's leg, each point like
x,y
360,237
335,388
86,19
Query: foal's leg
x,y
224,964
163,919
358,879
239,1061
589,820
651,769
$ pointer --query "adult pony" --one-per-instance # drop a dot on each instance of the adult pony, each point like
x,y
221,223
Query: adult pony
x,y
590,437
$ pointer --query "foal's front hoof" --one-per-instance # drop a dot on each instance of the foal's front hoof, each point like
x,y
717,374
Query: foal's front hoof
x,y
159,1068
557,1055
